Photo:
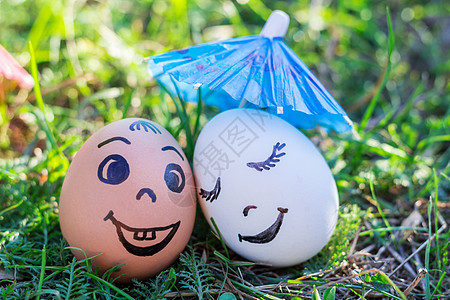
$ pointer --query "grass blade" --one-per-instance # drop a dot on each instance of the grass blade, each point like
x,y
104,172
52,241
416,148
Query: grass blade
x,y
128,103
436,220
110,285
387,69
185,119
220,237
41,277
433,139
329,293
391,36
385,277
427,252
2,212
39,100
316,295
438,284
198,113
380,210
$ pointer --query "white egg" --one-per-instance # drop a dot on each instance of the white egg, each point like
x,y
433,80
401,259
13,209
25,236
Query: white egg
x,y
267,187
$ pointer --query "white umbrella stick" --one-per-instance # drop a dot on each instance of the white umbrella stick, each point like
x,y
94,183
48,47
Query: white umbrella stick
x,y
276,26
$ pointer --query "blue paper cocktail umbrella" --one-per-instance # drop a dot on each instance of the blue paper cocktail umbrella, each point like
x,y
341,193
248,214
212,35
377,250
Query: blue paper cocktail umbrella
x,y
258,71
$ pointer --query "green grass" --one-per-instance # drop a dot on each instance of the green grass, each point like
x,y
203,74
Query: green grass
x,y
389,74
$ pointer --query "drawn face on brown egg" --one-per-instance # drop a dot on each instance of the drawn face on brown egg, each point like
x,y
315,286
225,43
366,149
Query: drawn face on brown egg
x,y
129,195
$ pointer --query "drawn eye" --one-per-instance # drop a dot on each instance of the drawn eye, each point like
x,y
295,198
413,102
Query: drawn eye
x,y
271,161
113,169
174,178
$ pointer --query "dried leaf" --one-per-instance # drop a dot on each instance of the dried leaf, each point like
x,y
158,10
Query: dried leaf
x,y
8,276
413,220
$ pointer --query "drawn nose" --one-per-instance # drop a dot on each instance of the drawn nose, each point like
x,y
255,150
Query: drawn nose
x,y
147,191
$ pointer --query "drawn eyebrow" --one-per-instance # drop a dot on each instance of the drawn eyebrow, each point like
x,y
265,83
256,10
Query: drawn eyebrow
x,y
271,161
116,138
145,125
247,208
173,149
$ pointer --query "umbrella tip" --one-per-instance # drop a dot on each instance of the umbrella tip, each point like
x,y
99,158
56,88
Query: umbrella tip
x,y
276,25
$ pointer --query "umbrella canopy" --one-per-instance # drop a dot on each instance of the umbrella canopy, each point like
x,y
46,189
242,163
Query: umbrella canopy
x,y
258,71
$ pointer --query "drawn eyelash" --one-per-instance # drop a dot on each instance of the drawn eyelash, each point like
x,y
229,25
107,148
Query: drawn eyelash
x,y
211,195
271,161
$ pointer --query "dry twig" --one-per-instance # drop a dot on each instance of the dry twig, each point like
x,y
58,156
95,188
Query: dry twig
x,y
415,281
424,244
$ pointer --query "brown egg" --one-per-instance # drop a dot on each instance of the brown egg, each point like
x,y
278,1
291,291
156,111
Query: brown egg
x,y
129,196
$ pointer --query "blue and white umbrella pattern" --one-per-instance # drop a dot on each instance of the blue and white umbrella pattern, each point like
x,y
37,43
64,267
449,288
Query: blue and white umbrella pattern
x,y
258,71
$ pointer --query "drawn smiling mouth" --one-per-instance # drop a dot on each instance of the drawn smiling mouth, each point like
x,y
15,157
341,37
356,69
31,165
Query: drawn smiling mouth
x,y
143,234
267,235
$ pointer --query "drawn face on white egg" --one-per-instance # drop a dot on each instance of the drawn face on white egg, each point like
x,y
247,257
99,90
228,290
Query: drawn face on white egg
x,y
268,189
129,197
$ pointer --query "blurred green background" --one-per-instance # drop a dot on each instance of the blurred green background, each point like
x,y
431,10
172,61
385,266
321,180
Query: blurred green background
x,y
90,57
90,53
